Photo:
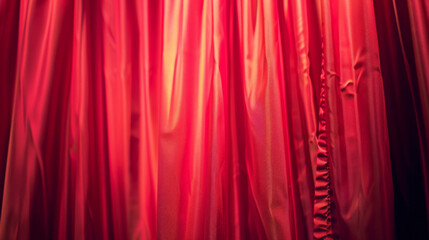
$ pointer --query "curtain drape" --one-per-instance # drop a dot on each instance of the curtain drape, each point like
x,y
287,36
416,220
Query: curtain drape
x,y
214,119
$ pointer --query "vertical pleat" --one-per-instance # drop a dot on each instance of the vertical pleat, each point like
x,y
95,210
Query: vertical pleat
x,y
211,119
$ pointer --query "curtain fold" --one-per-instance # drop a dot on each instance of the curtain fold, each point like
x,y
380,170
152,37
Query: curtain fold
x,y
214,119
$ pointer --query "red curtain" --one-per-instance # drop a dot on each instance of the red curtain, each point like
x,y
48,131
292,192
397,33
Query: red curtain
x,y
214,119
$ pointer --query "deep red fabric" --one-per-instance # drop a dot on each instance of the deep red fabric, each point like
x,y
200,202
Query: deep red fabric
x,y
214,119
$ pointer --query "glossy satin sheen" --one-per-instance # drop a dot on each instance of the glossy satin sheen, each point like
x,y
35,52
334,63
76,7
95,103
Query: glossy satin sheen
x,y
197,119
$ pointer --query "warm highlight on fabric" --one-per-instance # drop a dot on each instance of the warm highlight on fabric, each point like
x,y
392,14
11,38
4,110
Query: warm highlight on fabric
x,y
214,119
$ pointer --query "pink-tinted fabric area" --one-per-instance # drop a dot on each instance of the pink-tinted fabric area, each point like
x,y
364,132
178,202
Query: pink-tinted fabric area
x,y
214,119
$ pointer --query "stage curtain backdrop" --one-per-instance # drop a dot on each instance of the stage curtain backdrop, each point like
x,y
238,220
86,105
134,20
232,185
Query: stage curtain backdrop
x,y
214,119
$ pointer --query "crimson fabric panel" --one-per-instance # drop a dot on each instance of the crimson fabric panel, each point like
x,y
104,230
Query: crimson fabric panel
x,y
214,119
